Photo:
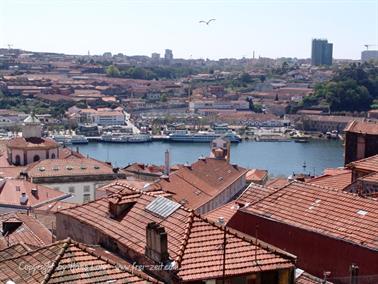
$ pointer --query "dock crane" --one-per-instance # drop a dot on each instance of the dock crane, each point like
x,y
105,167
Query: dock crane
x,y
368,45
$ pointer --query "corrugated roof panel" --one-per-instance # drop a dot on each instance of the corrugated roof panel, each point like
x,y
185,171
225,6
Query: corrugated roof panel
x,y
162,206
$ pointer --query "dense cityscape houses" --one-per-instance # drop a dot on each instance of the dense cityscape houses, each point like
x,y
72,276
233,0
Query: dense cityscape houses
x,y
211,221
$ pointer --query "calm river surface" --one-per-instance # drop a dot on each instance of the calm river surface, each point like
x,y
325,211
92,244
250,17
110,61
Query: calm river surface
x,y
280,158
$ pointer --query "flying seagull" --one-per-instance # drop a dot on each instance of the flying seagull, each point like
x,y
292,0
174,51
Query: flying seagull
x,y
208,22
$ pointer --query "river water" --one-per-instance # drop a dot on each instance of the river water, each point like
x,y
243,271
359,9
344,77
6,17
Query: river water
x,y
279,158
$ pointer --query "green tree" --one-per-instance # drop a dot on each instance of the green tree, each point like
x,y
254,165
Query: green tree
x,y
112,71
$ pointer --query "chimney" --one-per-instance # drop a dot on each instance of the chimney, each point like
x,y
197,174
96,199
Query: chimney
x,y
118,206
221,221
167,168
156,243
34,192
354,269
24,198
188,166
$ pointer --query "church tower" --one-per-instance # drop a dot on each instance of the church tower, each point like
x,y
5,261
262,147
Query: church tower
x,y
32,127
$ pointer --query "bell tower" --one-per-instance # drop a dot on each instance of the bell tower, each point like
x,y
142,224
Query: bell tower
x,y
32,127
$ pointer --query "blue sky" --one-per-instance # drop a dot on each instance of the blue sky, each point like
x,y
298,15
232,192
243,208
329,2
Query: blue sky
x,y
271,28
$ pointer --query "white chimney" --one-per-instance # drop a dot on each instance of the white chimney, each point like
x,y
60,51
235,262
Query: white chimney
x,y
167,167
24,198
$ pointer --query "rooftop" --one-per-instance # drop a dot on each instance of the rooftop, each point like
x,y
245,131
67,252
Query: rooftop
x,y
68,167
336,214
32,143
198,183
337,181
30,232
68,262
364,127
11,190
369,164
193,242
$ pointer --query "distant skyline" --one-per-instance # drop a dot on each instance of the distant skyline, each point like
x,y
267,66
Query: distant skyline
x,y
271,28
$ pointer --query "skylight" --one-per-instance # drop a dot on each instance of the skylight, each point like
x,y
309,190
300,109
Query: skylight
x,y
362,212
162,206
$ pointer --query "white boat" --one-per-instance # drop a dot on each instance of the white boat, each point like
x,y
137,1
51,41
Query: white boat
x,y
79,139
63,139
202,136
114,137
125,138
139,138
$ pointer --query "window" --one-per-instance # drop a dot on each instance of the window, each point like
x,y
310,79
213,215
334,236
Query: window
x,y
53,156
86,197
18,160
36,158
71,189
87,188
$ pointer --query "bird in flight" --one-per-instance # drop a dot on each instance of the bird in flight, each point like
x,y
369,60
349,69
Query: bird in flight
x,y
207,22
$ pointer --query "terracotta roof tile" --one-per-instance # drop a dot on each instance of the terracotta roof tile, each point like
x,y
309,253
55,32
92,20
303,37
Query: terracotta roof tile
x,y
67,262
369,164
13,251
224,212
256,175
11,190
193,241
32,143
68,167
337,181
31,232
333,213
195,185
364,127
277,183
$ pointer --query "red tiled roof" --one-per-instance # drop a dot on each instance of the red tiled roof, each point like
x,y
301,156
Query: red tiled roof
x,y
65,153
193,242
13,251
67,262
255,193
32,143
31,232
123,186
333,213
369,164
10,172
277,183
256,175
225,211
11,189
364,127
338,182
68,167
202,181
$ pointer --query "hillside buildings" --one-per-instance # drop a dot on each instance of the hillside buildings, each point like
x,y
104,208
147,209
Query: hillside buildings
x,y
321,53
